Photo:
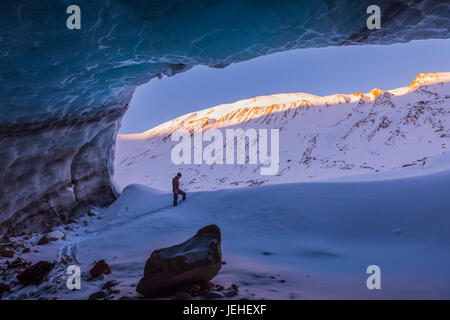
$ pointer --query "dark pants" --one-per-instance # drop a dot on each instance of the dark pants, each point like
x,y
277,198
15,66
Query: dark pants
x,y
175,197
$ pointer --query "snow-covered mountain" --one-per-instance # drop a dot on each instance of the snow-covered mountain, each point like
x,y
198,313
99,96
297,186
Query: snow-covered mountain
x,y
320,137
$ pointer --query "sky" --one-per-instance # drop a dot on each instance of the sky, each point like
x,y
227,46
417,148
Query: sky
x,y
319,71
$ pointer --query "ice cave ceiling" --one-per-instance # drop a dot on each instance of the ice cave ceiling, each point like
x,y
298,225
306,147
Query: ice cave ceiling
x,y
63,92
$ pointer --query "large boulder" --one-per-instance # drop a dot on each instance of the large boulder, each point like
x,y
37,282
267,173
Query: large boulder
x,y
100,267
196,260
36,273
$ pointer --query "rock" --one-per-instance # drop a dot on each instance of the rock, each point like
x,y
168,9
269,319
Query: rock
x,y
110,284
98,295
36,273
197,260
195,290
100,267
45,240
218,287
212,295
117,291
231,293
181,295
49,237
19,262
5,253
4,288
26,250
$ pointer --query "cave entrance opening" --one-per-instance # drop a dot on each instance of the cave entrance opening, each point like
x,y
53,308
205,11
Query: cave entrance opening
x,y
318,71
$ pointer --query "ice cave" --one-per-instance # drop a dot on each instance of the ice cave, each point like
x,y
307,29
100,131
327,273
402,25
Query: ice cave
x,y
63,92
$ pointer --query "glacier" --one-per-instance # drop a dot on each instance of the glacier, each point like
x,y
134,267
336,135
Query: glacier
x,y
63,92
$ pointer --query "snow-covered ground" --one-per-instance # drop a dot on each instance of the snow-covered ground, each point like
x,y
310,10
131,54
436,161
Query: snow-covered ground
x,y
286,241
377,196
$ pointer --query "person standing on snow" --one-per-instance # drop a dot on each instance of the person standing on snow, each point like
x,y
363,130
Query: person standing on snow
x,y
176,189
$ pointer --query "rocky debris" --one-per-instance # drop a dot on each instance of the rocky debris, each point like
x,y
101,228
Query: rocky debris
x,y
197,260
26,250
45,240
5,253
98,295
187,292
19,265
232,291
113,291
49,237
4,288
212,295
206,290
217,291
36,273
110,284
100,267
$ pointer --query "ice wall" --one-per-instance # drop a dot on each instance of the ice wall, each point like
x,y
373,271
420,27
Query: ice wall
x,y
63,92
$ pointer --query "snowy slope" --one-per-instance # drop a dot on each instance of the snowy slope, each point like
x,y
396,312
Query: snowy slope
x,y
320,137
287,241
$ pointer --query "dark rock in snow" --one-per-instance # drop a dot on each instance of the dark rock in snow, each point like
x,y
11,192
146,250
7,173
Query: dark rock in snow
x,y
5,253
218,287
117,291
4,288
18,263
193,290
49,237
36,273
110,284
98,295
45,240
231,293
212,295
197,260
100,267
